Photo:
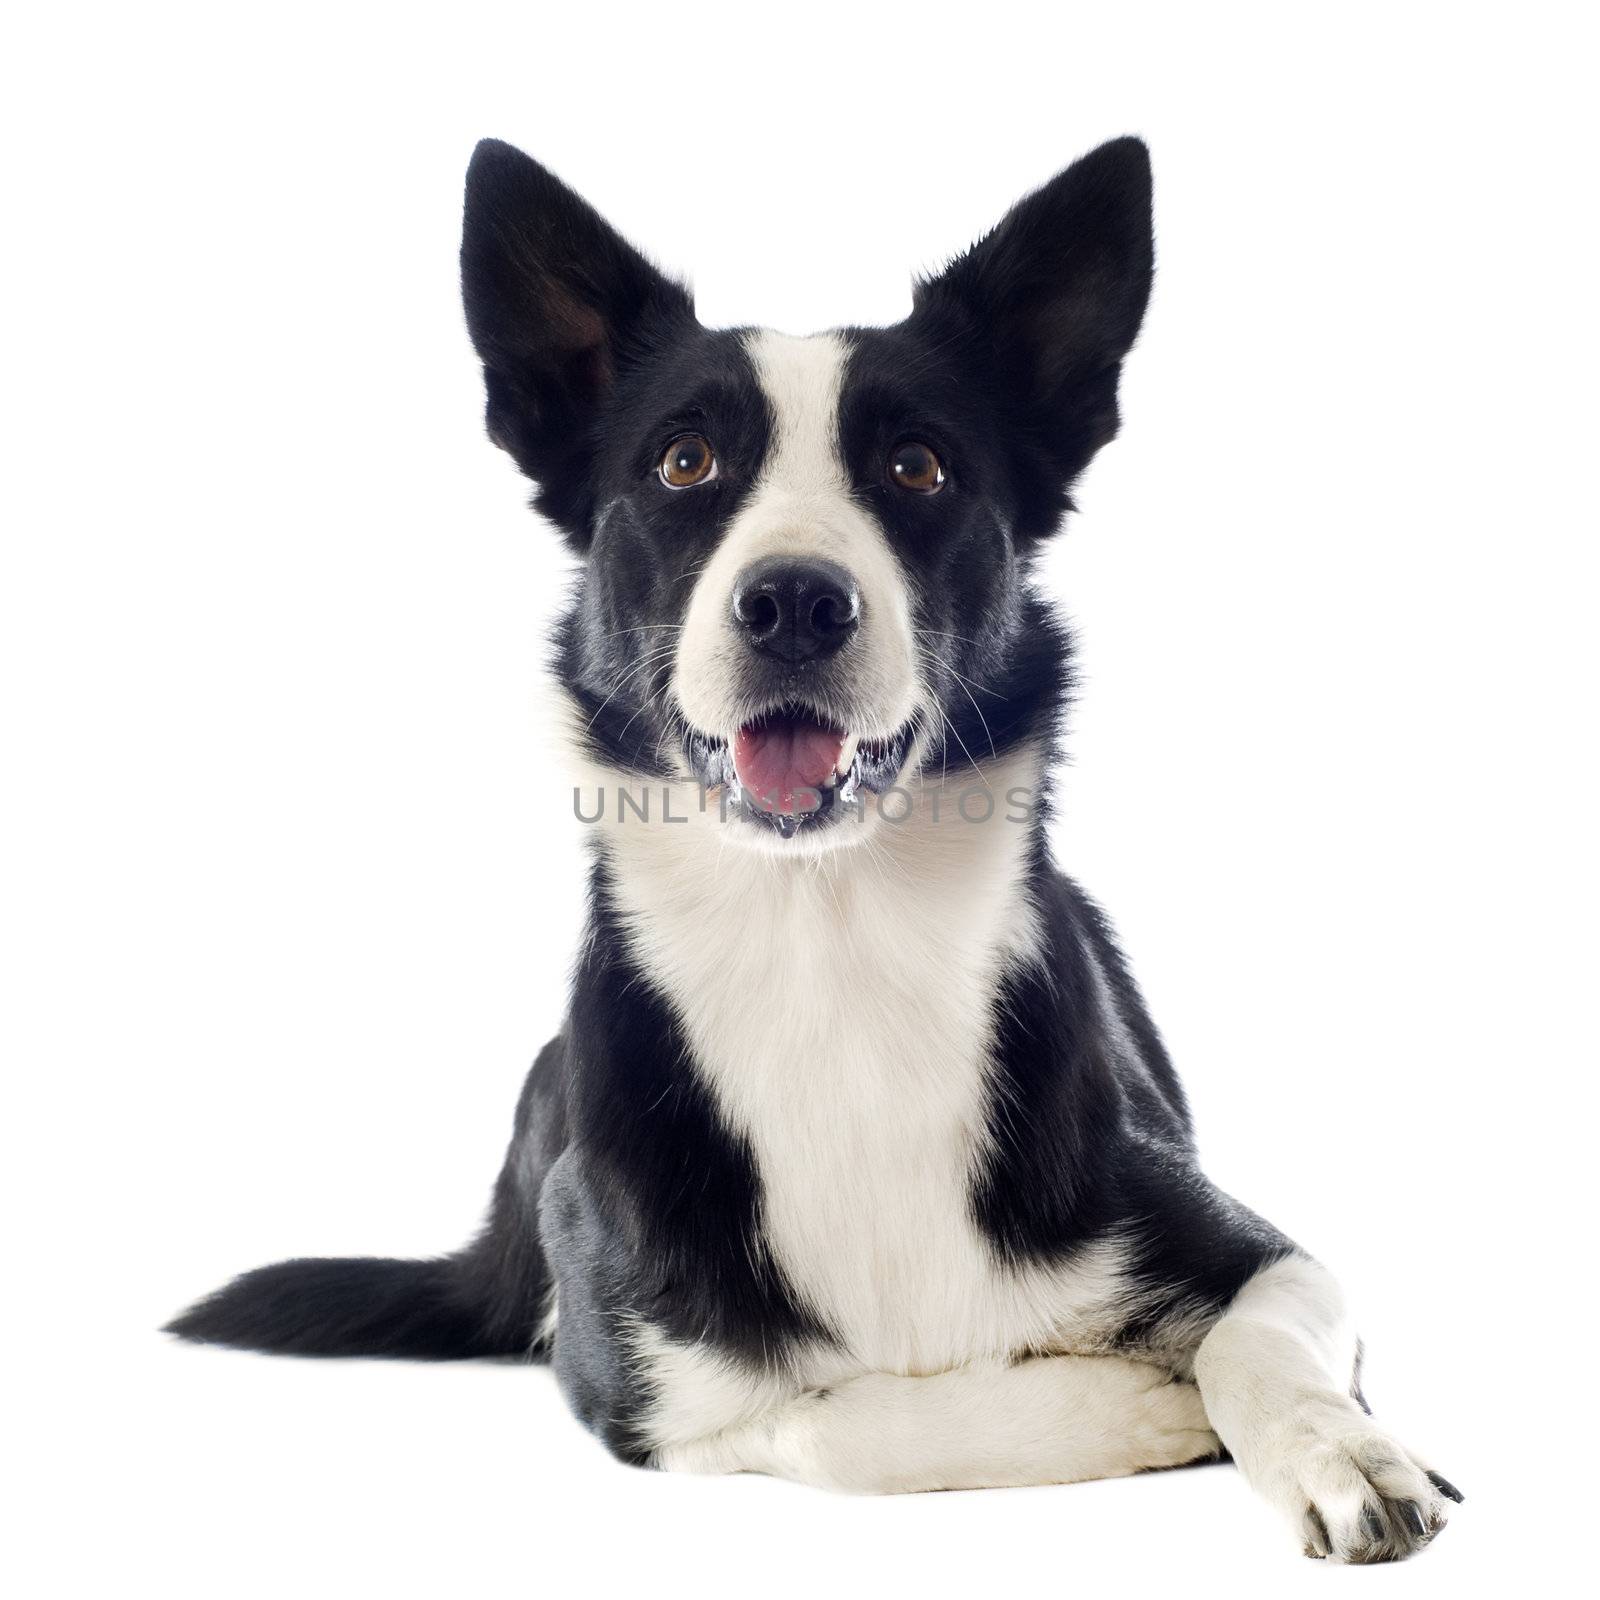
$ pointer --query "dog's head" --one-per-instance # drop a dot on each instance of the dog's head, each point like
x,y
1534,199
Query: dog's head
x,y
804,560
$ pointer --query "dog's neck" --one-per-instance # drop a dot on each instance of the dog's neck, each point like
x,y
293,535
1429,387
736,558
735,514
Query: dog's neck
x,y
940,879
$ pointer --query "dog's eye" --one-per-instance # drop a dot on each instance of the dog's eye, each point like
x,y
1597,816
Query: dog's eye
x,y
686,462
915,467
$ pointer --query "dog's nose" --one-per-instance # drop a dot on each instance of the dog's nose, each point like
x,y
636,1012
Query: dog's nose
x,y
796,610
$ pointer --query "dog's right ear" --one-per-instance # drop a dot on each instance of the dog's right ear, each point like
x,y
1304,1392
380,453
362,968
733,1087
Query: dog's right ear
x,y
557,303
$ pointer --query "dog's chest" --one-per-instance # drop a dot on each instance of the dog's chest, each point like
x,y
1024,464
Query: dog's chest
x,y
843,1020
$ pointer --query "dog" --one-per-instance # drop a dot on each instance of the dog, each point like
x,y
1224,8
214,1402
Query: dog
x,y
858,1159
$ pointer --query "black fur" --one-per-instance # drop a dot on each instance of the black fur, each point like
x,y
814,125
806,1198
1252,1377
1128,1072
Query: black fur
x,y
622,1183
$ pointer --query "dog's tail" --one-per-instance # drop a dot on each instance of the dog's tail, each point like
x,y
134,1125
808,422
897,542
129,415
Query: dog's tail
x,y
361,1306
491,1299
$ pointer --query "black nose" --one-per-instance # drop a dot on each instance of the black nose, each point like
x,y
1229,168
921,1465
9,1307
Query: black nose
x,y
796,610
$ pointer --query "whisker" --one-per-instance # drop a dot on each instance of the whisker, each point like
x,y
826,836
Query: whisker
x,y
963,743
983,720
648,627
982,688
652,656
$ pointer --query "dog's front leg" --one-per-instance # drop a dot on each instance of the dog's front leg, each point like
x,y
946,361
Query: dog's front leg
x,y
1277,1374
1049,1419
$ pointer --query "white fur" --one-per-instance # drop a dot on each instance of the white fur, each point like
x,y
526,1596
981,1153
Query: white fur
x,y
1050,1419
699,1394
544,1335
802,505
1275,1374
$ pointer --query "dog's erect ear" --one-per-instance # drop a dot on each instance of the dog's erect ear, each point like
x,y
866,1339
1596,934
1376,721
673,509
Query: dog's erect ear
x,y
1055,295
558,303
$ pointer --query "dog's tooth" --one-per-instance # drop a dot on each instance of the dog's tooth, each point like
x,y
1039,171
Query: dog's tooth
x,y
847,755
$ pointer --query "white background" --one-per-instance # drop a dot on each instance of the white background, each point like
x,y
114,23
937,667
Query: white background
x,y
290,889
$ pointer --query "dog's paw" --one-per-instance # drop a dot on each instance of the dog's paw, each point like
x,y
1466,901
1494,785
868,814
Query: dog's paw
x,y
1355,1494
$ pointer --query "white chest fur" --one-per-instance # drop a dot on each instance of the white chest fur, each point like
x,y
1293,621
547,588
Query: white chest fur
x,y
840,1009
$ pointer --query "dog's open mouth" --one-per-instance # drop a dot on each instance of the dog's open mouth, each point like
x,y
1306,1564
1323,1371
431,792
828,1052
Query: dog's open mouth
x,y
790,765
785,757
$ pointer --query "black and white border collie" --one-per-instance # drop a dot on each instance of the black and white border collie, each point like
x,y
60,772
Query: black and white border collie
x,y
858,1159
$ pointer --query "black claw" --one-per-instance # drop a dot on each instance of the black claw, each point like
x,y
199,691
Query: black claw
x,y
1411,1515
1372,1523
1445,1487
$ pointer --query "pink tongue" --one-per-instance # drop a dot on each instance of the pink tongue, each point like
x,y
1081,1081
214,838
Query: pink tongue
x,y
780,758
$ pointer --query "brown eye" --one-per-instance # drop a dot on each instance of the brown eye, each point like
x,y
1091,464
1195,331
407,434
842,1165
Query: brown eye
x,y
915,467
686,462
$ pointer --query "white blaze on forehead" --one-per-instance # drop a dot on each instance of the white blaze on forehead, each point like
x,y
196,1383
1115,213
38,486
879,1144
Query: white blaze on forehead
x,y
801,506
802,380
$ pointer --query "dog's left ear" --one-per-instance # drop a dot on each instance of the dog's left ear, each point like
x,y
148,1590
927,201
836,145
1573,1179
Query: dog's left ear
x,y
1053,299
